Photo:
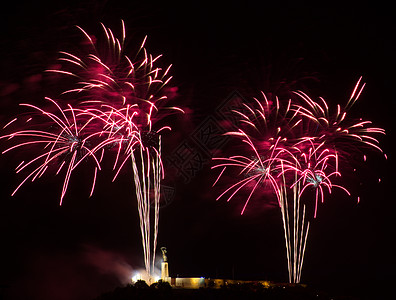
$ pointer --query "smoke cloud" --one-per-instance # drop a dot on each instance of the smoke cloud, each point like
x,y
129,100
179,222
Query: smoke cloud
x,y
78,274
108,263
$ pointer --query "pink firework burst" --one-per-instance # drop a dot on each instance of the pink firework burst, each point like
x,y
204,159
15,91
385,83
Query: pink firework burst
x,y
64,143
268,130
314,166
106,74
294,148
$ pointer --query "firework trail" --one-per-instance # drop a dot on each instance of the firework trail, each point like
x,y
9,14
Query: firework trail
x,y
143,150
292,150
125,97
147,182
295,228
64,144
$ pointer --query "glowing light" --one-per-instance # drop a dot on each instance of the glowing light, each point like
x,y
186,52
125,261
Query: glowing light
x,y
136,277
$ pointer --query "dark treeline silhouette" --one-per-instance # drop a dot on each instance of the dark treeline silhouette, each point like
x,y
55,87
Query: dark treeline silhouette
x,y
162,290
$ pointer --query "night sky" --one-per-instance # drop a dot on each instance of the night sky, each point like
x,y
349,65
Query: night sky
x,y
90,245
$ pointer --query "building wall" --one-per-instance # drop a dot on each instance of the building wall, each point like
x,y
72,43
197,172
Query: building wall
x,y
199,282
190,283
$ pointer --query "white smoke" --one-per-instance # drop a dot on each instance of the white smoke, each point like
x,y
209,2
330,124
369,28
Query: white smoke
x,y
108,262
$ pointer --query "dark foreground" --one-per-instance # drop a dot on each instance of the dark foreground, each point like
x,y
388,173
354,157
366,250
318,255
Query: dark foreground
x,y
162,290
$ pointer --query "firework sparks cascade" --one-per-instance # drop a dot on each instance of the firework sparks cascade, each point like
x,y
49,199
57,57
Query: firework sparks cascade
x,y
111,104
295,148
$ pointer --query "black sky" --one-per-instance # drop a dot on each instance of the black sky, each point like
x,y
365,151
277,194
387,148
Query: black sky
x,y
69,251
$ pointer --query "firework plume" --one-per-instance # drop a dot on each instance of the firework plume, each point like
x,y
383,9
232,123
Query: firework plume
x,y
292,147
117,102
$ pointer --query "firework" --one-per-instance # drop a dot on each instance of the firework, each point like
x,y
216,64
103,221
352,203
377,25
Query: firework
x,y
104,74
147,175
64,144
292,149
127,94
315,166
143,150
268,131
117,102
